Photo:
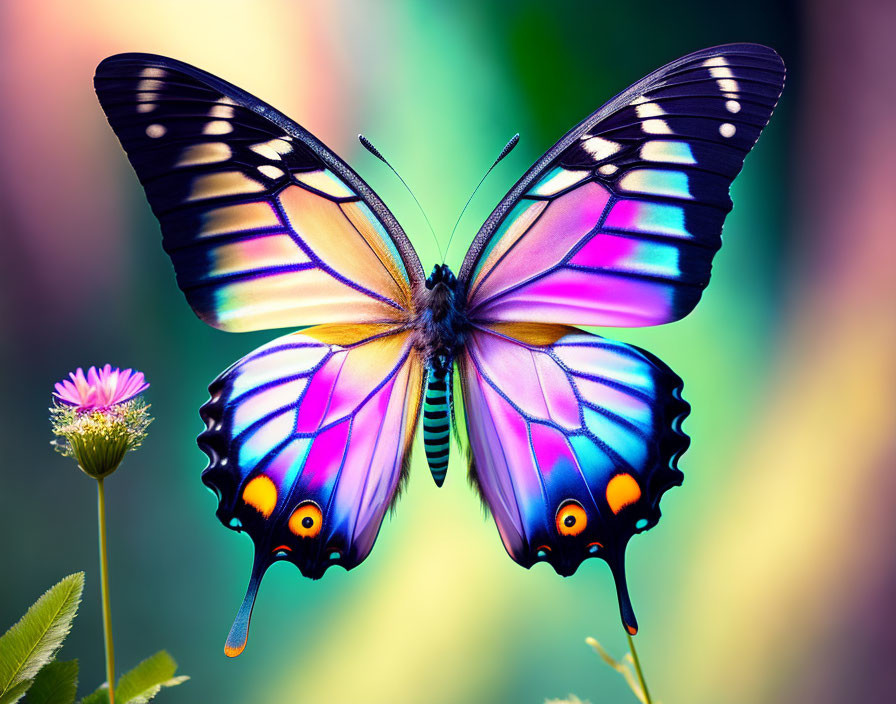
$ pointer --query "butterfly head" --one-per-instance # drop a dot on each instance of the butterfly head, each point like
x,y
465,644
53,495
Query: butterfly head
x,y
441,274
442,322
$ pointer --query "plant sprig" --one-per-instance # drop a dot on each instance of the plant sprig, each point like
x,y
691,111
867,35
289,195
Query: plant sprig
x,y
28,667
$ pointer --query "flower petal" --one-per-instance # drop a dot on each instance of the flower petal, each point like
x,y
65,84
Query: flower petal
x,y
100,388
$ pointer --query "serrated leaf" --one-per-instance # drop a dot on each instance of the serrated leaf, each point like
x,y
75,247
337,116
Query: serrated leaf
x,y
56,683
99,696
146,680
15,693
33,641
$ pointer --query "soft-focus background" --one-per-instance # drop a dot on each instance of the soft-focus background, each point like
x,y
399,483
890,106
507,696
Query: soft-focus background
x,y
770,577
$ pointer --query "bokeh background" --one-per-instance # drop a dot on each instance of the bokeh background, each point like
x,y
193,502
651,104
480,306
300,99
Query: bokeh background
x,y
770,577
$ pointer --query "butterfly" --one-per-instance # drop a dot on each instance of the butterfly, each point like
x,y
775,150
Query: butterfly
x,y
572,438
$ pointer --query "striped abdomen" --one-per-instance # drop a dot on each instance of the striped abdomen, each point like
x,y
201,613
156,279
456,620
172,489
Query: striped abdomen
x,y
437,419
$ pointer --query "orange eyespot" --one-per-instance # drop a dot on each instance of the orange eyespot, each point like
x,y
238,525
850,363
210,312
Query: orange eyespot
x,y
571,519
306,520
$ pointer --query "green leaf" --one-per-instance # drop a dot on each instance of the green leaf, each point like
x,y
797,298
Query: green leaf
x,y
99,696
15,693
145,681
624,667
56,683
33,641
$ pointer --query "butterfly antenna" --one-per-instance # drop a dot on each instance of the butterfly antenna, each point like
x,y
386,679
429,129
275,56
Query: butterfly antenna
x,y
376,152
504,152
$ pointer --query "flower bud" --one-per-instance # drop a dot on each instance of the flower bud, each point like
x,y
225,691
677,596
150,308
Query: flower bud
x,y
98,420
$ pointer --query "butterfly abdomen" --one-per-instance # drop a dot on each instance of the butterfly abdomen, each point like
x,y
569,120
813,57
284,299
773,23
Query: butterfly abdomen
x,y
437,418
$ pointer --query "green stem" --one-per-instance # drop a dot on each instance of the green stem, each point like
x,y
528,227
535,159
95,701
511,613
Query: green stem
x,y
631,647
104,574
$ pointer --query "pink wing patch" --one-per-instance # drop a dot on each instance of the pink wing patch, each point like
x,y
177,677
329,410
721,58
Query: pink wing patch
x,y
545,244
564,268
575,428
307,441
618,223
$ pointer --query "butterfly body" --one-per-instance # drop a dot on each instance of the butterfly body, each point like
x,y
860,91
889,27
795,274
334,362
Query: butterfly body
x,y
437,419
442,327
573,438
442,323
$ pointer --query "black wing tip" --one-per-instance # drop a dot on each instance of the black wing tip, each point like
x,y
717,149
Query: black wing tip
x,y
111,64
756,51
753,48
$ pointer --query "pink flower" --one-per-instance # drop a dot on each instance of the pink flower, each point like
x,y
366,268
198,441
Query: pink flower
x,y
100,389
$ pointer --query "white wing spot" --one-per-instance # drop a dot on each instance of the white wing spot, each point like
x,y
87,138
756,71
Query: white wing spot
x,y
155,131
149,84
637,101
732,106
728,85
655,127
146,107
152,73
272,149
600,148
224,111
270,171
726,129
649,110
608,169
217,127
266,151
281,146
718,68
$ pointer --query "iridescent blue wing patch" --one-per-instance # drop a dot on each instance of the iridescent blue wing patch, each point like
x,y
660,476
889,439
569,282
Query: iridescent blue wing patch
x,y
307,439
574,439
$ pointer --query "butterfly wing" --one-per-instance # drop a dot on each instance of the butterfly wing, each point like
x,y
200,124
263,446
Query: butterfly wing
x,y
307,440
618,223
265,225
574,439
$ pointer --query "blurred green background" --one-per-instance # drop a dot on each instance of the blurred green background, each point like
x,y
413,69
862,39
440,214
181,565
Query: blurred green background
x,y
771,575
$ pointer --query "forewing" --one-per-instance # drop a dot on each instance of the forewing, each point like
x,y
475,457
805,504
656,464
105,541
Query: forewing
x,y
574,439
618,223
265,226
307,439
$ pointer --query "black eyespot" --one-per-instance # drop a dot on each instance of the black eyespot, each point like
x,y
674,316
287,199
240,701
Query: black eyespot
x,y
569,521
307,522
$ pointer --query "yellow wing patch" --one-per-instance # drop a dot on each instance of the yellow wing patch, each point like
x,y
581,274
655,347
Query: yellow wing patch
x,y
622,490
261,494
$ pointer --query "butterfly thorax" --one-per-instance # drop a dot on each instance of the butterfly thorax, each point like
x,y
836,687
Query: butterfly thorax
x,y
441,330
441,323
